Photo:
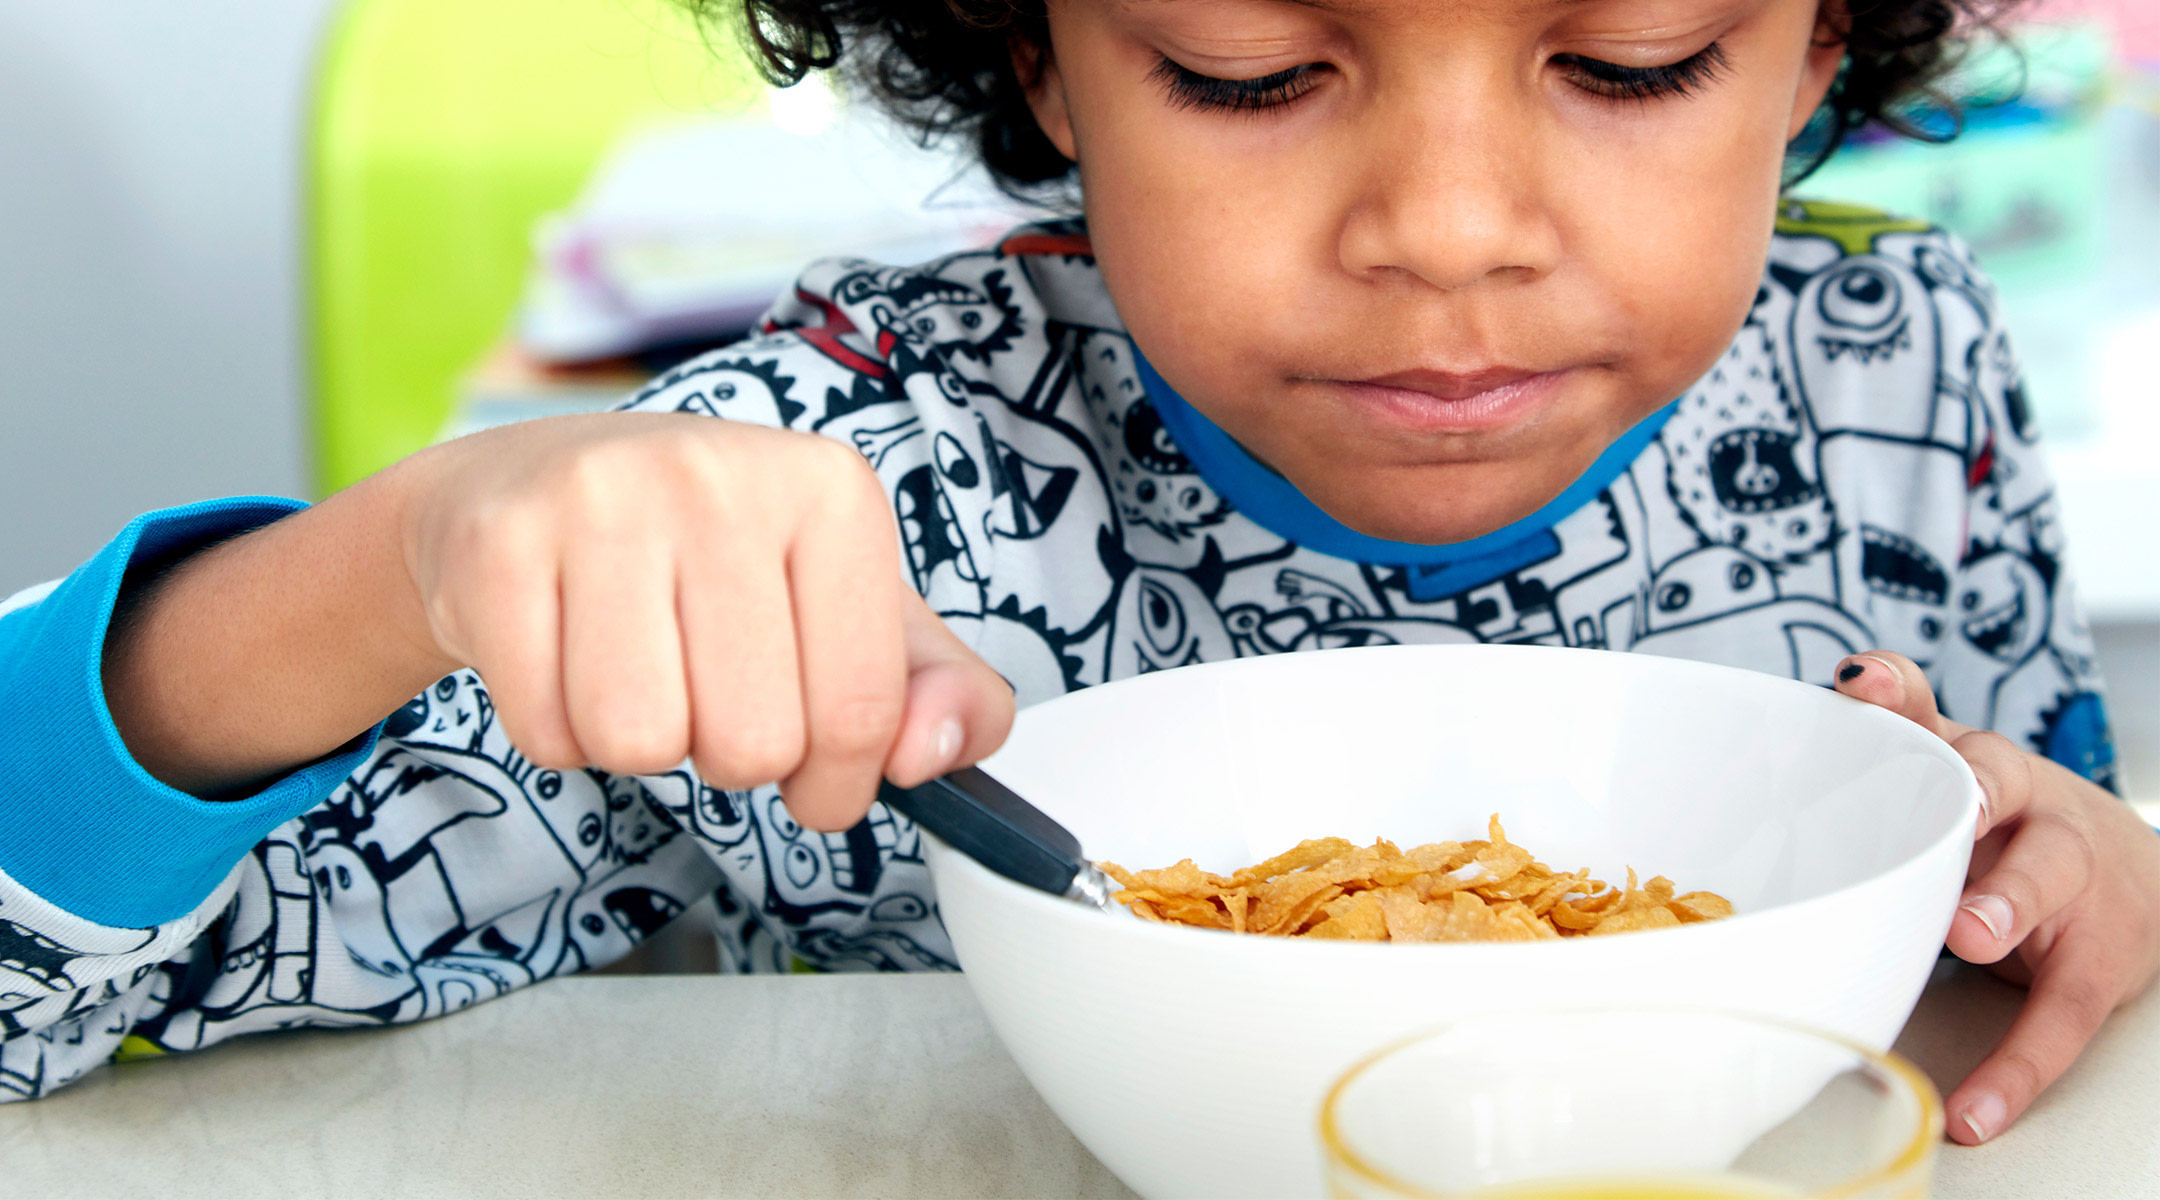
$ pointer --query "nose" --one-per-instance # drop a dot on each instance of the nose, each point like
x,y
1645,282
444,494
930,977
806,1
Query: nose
x,y
1452,194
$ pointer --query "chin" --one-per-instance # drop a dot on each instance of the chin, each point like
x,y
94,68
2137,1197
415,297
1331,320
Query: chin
x,y
1433,524
1430,506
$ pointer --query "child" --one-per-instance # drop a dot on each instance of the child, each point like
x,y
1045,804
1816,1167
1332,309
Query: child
x,y
1388,321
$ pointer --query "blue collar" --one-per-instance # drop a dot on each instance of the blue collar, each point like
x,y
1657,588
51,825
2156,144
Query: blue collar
x,y
1278,506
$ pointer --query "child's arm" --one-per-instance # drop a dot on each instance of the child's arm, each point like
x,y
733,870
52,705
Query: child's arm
x,y
637,589
243,659
640,588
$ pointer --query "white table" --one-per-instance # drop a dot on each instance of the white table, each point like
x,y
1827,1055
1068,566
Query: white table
x,y
887,1086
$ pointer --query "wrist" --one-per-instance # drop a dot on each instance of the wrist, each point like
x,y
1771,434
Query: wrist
x,y
402,495
254,656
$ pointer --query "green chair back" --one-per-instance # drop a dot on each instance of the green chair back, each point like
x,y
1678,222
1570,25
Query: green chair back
x,y
443,130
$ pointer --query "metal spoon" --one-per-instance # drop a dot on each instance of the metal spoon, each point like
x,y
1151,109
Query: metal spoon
x,y
988,822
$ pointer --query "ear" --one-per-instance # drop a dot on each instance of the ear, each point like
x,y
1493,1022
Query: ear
x,y
1036,69
1825,54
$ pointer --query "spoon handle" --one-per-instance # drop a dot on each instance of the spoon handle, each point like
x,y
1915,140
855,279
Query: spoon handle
x,y
988,822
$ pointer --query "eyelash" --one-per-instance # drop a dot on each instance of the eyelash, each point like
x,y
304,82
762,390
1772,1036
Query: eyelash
x,y
1644,84
1190,89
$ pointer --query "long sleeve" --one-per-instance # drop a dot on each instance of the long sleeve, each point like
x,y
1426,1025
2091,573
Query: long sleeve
x,y
418,870
104,871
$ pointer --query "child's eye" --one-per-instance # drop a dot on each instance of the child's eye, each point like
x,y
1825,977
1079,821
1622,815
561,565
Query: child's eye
x,y
1642,84
1191,89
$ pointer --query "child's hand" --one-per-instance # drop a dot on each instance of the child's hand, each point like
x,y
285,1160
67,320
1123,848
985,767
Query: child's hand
x,y
2063,896
641,588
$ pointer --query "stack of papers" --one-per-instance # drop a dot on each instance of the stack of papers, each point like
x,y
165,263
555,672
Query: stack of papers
x,y
689,231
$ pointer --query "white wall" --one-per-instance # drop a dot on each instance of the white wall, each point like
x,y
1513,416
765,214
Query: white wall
x,y
149,294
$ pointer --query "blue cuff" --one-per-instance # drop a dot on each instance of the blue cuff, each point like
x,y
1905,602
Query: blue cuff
x,y
81,823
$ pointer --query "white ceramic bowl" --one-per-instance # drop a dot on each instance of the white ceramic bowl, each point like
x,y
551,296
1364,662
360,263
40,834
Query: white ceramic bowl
x,y
1193,1062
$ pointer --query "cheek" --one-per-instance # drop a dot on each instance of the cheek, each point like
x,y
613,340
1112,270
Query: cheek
x,y
1675,230
1681,293
1191,254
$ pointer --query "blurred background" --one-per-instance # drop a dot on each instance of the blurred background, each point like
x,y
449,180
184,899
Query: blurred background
x,y
271,245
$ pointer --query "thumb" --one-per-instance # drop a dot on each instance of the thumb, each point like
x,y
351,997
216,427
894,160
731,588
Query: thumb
x,y
958,709
1892,681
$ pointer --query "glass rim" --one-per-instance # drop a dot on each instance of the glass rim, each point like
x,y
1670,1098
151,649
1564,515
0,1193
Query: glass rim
x,y
1928,1128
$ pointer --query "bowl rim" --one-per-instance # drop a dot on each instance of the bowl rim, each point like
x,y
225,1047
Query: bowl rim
x,y
942,857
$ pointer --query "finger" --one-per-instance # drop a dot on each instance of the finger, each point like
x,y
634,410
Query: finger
x,y
1892,681
844,581
746,707
2045,865
516,647
2005,775
2070,997
623,672
958,708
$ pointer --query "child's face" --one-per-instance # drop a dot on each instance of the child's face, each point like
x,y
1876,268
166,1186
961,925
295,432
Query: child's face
x,y
1432,261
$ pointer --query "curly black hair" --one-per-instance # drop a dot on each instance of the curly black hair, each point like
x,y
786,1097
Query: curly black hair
x,y
944,68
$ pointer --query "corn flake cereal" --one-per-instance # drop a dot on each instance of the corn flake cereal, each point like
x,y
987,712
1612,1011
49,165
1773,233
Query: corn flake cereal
x,y
1488,891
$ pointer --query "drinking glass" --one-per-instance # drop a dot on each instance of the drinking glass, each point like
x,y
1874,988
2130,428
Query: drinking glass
x,y
1630,1104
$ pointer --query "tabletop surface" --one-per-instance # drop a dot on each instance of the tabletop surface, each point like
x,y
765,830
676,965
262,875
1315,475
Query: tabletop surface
x,y
887,1086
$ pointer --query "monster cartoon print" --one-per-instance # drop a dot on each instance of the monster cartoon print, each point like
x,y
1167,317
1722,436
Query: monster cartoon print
x,y
1859,469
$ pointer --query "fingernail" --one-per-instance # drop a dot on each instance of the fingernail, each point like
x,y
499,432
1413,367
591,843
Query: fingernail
x,y
1994,912
949,737
1984,1116
1851,671
1886,667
